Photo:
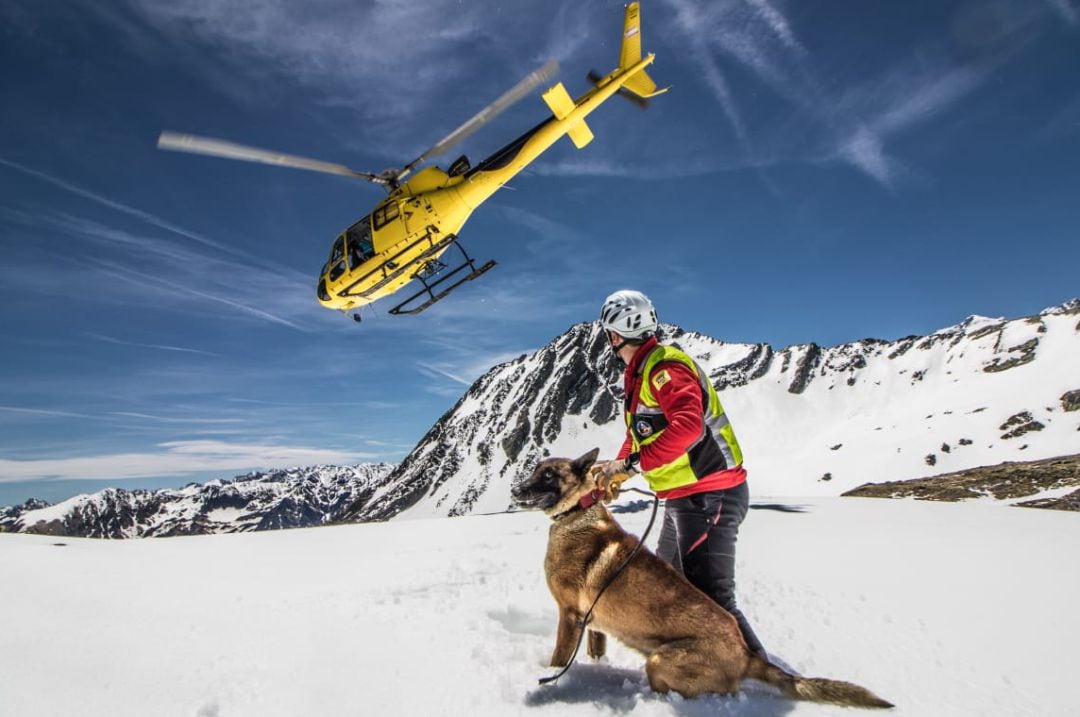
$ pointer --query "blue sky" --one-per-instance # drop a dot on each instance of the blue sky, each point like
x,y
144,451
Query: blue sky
x,y
819,172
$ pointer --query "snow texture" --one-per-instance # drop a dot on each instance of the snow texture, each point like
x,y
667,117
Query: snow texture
x,y
944,609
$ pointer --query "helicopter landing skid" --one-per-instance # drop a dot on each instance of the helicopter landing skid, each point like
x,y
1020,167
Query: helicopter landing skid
x,y
438,269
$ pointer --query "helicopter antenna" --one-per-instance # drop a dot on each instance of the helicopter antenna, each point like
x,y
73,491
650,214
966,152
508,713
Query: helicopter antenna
x,y
194,144
508,98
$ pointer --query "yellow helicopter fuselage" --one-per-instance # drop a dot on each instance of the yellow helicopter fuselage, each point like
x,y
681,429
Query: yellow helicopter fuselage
x,y
420,219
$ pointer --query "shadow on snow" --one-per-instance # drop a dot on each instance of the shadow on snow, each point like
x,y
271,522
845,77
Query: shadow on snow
x,y
622,690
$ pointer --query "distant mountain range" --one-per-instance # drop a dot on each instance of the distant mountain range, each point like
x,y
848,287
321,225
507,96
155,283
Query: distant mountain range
x,y
293,498
811,421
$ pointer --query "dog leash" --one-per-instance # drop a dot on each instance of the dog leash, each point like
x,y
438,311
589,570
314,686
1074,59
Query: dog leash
x,y
584,622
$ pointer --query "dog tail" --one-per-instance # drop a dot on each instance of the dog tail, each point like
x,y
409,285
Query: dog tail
x,y
813,689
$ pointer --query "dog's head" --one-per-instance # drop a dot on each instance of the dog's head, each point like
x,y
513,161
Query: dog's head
x,y
556,484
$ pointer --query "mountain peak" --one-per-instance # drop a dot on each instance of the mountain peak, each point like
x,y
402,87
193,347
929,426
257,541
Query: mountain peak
x,y
1070,307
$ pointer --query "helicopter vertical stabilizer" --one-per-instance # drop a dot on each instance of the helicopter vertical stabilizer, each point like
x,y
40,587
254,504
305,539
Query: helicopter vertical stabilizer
x,y
558,99
639,83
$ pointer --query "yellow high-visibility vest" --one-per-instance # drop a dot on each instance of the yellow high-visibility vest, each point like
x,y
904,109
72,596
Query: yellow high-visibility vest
x,y
715,450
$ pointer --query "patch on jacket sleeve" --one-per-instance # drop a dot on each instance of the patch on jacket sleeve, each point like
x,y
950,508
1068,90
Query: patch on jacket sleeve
x,y
660,379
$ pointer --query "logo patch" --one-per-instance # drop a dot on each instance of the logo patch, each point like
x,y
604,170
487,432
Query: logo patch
x,y
643,428
660,379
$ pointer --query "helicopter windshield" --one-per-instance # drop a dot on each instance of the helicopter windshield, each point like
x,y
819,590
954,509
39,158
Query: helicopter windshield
x,y
359,242
336,263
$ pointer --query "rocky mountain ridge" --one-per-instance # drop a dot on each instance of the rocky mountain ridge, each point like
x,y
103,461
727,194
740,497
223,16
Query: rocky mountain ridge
x,y
289,498
812,420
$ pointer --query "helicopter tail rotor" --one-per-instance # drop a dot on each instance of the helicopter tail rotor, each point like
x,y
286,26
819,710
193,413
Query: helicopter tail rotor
x,y
636,100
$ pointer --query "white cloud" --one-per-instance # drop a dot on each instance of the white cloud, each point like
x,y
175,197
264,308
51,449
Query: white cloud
x,y
136,344
173,419
443,370
907,95
864,150
696,24
42,412
170,288
123,208
779,24
1065,9
280,296
388,60
175,458
828,120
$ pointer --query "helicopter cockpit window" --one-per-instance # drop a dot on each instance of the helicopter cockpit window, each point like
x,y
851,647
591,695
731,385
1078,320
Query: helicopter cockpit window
x,y
385,214
359,239
337,256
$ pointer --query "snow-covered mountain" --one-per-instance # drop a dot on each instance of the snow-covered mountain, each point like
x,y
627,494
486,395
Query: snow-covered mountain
x,y
811,420
292,498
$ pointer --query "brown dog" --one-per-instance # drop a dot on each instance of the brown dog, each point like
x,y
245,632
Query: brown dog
x,y
693,646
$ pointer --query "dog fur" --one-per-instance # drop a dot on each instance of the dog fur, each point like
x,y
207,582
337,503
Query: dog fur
x,y
692,645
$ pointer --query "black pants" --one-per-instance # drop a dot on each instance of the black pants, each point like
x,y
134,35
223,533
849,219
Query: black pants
x,y
698,540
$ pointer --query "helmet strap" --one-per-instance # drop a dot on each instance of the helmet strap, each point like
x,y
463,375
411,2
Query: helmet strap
x,y
616,348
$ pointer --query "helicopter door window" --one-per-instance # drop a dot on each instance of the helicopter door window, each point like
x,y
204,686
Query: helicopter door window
x,y
360,246
385,214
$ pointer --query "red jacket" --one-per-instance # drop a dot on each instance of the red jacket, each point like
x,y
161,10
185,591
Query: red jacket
x,y
681,400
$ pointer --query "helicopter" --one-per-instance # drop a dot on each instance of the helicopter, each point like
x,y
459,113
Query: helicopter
x,y
404,238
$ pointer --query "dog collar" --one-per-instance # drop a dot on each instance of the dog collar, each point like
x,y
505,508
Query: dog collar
x,y
591,498
587,501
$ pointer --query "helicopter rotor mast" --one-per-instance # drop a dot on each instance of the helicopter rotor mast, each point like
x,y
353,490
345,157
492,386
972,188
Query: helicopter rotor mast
x,y
194,144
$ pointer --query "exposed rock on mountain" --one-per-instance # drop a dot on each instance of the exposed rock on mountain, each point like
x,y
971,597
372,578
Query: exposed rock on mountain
x,y
503,422
293,498
973,394
811,421
1006,481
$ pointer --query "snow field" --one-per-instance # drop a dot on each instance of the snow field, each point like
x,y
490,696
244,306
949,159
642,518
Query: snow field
x,y
944,609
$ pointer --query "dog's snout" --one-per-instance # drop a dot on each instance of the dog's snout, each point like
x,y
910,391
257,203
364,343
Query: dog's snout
x,y
519,488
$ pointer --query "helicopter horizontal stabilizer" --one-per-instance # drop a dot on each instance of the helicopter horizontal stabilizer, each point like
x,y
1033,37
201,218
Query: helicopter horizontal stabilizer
x,y
558,99
642,85
580,134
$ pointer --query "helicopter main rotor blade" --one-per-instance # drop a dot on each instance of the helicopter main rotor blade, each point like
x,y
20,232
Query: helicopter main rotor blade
x,y
177,142
508,98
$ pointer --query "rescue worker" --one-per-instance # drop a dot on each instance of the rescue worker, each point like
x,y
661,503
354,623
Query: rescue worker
x,y
679,438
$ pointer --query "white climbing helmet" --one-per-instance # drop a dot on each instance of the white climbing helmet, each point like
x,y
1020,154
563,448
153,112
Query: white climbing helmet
x,y
629,313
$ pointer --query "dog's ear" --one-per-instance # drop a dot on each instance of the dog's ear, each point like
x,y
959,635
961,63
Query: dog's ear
x,y
583,464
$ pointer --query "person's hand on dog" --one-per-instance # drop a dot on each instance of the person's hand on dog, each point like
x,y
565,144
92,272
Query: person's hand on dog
x,y
609,474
